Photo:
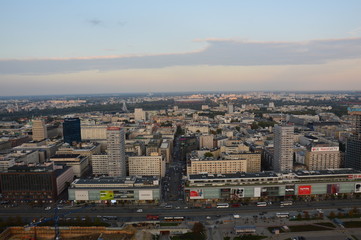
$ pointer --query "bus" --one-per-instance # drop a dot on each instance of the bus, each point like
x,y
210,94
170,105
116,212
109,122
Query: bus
x,y
283,215
222,205
286,203
261,204
174,219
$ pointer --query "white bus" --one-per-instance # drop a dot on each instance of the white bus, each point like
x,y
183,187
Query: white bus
x,y
261,204
222,205
286,203
283,215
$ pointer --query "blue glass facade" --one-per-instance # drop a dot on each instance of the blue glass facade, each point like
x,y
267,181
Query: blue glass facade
x,y
71,130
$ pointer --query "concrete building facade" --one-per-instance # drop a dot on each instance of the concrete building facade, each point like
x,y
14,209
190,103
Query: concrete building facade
x,y
283,148
116,152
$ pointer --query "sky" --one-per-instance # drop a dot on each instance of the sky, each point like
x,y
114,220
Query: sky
x,y
93,46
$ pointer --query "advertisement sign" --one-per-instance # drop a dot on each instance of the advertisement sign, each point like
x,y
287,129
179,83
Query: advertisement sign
x,y
196,194
270,191
81,195
145,195
290,190
225,193
324,149
125,194
304,190
257,192
237,193
357,187
106,195
333,188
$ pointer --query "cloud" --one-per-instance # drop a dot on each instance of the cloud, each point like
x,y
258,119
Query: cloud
x,y
95,22
355,32
219,52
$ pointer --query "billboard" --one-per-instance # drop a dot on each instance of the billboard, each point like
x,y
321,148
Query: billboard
x,y
237,193
290,190
225,192
333,188
106,195
196,194
357,187
257,192
270,191
145,195
124,194
304,190
81,195
324,149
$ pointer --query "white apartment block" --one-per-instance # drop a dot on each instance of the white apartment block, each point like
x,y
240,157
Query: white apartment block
x,y
146,166
93,132
116,152
283,148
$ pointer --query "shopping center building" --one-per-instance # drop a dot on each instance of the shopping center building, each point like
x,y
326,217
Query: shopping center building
x,y
128,190
271,186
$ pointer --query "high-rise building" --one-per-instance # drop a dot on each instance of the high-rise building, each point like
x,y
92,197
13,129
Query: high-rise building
x,y
116,152
139,114
71,130
230,108
39,130
283,148
353,145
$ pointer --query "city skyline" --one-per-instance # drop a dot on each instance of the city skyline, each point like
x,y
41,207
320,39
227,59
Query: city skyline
x,y
96,47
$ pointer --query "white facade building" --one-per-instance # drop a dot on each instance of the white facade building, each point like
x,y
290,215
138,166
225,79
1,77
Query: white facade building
x,y
283,148
116,152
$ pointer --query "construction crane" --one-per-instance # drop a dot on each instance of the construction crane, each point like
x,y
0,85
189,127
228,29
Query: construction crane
x,y
56,218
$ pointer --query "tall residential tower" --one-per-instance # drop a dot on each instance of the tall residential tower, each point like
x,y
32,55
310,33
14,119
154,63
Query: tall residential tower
x,y
283,148
39,130
353,146
116,152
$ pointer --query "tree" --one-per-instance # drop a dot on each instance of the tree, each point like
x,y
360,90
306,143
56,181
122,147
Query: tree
x,y
199,231
208,154
254,126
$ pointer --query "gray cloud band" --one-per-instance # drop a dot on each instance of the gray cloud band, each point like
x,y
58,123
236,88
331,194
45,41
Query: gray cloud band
x,y
218,53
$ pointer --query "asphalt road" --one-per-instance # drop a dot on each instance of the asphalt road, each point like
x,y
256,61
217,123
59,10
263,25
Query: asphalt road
x,y
130,214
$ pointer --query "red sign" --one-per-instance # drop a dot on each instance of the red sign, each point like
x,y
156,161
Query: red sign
x,y
113,128
304,190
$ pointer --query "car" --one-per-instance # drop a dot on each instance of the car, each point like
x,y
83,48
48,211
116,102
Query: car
x,y
139,210
177,207
208,217
47,208
319,210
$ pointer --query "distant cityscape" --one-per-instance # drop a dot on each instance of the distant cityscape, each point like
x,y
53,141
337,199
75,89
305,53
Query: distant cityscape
x,y
179,151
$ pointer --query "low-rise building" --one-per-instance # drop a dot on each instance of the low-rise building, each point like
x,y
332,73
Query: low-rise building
x,y
40,183
145,189
271,186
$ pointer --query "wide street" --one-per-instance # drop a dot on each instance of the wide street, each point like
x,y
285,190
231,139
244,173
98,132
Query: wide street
x,y
130,214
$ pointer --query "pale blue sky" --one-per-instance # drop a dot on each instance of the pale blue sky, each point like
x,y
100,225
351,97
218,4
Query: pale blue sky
x,y
44,42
